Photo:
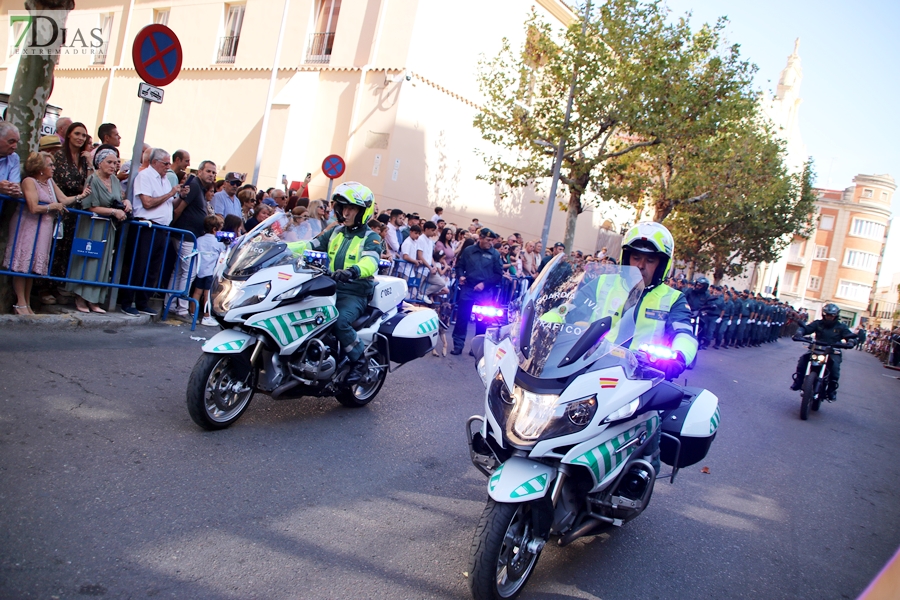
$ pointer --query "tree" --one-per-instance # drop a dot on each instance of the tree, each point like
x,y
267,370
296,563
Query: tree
x,y
639,81
27,105
754,209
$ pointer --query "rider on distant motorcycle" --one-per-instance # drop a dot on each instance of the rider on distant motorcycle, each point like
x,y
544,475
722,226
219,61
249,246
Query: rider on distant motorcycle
x,y
828,330
353,253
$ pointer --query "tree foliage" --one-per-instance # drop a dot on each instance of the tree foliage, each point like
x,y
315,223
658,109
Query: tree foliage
x,y
754,208
640,81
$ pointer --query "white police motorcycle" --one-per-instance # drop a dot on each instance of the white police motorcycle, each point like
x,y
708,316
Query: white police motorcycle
x,y
568,440
277,311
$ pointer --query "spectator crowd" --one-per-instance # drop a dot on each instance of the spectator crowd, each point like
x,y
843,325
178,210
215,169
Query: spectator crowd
x,y
74,187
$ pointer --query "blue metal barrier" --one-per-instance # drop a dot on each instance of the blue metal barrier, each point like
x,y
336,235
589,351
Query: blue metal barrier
x,y
91,249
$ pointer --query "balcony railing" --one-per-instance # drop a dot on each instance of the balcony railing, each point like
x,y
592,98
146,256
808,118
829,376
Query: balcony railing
x,y
227,49
319,50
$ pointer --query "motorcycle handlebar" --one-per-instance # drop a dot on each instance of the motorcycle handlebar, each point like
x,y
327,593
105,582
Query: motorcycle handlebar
x,y
809,340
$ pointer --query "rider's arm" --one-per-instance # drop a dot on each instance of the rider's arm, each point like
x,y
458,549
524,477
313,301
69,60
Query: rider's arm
x,y
678,325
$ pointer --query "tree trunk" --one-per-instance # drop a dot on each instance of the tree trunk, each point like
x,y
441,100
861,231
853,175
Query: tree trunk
x,y
577,184
27,104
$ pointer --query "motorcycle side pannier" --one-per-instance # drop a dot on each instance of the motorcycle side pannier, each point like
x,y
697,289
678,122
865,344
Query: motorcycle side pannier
x,y
411,334
694,424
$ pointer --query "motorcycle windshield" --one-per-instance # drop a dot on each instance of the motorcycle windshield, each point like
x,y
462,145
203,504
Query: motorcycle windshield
x,y
574,315
265,246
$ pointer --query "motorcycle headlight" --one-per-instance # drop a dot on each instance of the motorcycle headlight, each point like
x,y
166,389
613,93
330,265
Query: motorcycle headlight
x,y
818,357
229,295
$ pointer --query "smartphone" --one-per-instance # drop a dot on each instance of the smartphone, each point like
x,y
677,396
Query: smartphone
x,y
308,175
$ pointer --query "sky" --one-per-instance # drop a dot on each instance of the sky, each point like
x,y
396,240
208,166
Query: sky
x,y
850,56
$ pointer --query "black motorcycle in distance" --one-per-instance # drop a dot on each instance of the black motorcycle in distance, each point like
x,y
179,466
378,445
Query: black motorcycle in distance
x,y
815,379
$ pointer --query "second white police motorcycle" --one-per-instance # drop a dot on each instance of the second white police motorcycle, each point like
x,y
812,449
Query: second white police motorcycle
x,y
569,439
277,311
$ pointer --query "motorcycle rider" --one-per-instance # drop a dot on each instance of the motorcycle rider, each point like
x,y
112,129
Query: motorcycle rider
x,y
353,253
662,314
828,330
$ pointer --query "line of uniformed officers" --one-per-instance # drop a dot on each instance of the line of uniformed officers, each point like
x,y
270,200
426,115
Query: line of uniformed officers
x,y
732,319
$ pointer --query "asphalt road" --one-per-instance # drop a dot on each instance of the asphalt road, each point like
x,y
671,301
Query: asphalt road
x,y
108,489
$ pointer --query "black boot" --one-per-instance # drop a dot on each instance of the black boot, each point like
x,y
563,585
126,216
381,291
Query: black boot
x,y
798,383
358,370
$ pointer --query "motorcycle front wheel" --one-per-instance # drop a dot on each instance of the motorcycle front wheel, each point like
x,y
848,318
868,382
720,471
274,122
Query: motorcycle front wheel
x,y
216,396
806,394
501,562
362,393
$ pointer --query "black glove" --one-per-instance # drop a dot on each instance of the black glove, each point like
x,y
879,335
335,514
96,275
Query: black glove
x,y
672,367
344,275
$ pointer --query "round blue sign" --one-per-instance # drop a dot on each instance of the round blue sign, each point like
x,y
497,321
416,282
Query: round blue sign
x,y
333,166
157,55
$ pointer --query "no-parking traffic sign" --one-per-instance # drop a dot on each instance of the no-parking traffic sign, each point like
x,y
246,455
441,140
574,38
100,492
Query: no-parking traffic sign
x,y
333,166
157,55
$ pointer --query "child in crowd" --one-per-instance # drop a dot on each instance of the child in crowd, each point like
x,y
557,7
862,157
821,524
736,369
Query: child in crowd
x,y
209,249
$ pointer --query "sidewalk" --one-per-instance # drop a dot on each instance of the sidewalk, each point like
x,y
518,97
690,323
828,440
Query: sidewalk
x,y
66,316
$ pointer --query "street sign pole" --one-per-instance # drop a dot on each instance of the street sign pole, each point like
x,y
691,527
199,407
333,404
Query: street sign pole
x,y
137,152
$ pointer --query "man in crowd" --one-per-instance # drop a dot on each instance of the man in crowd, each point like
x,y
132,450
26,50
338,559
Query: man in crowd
x,y
10,173
280,199
190,213
226,202
479,270
393,233
181,160
410,251
558,248
108,134
154,198
62,126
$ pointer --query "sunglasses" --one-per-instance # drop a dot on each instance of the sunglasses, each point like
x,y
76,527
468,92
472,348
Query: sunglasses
x,y
235,182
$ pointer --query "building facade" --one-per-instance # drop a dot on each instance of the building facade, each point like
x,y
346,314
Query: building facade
x,y
390,85
841,261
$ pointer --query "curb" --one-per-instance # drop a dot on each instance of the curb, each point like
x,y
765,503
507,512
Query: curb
x,y
64,319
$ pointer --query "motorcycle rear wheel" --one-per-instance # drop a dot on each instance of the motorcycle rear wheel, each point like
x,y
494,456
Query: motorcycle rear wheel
x,y
215,396
501,564
806,395
362,393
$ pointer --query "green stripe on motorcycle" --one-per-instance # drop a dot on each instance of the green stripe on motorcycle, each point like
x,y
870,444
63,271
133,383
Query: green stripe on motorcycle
x,y
233,345
495,478
532,486
427,327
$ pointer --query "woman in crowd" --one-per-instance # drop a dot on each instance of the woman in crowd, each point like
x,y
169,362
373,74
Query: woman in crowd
x,y
299,229
515,262
72,167
31,229
248,203
105,200
461,236
445,245
318,216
